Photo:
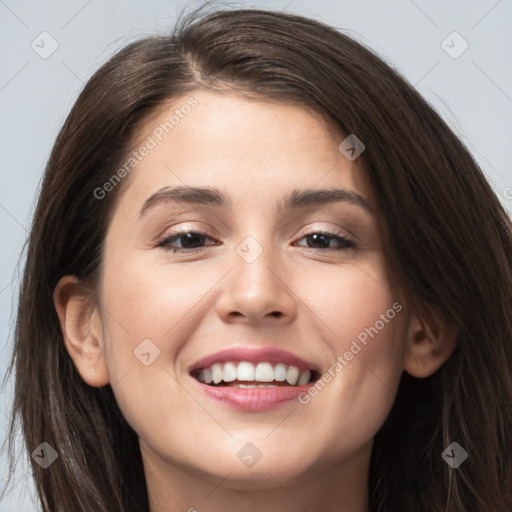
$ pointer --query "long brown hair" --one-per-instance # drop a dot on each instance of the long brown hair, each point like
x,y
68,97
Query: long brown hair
x,y
448,242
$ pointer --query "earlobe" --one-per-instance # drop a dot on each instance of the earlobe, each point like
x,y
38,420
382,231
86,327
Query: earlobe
x,y
430,343
81,327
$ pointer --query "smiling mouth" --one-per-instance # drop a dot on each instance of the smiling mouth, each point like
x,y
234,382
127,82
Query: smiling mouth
x,y
244,374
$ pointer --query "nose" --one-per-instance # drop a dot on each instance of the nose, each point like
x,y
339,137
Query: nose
x,y
257,292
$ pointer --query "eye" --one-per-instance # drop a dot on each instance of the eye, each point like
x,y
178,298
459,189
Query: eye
x,y
190,241
324,238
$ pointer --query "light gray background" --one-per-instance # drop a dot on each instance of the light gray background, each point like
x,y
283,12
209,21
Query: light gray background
x,y
472,92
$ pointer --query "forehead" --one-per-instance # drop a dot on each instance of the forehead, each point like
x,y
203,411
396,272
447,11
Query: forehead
x,y
245,146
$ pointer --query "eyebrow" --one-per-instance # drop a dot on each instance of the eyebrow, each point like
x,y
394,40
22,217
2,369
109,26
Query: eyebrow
x,y
297,198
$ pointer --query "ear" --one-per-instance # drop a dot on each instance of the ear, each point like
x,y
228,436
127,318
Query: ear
x,y
81,327
431,341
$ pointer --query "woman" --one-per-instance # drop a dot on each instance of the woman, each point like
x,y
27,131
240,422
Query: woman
x,y
264,273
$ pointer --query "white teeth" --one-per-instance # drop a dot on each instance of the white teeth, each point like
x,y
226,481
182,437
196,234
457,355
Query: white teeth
x,y
280,372
229,374
254,386
304,377
292,375
245,371
207,374
263,372
216,373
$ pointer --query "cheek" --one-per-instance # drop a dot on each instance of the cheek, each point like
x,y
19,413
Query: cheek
x,y
364,330
369,320
149,312
145,301
354,301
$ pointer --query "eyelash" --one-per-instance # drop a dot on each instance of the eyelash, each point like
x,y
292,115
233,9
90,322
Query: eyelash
x,y
165,243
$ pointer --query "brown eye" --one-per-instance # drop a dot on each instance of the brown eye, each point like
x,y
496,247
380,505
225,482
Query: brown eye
x,y
322,241
189,240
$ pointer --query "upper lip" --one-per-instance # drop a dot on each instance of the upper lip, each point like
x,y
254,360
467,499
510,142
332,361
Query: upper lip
x,y
254,355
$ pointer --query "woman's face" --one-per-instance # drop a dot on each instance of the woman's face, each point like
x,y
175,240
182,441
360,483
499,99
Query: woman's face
x,y
255,293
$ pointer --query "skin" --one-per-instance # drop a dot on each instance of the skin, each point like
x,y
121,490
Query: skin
x,y
315,456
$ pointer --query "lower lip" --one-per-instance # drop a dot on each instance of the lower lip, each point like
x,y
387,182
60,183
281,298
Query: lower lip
x,y
253,399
